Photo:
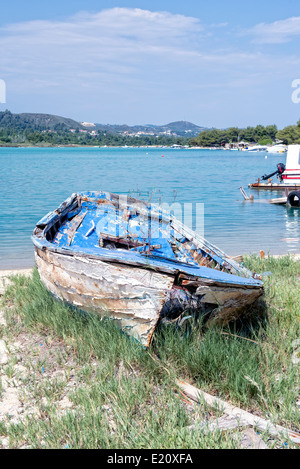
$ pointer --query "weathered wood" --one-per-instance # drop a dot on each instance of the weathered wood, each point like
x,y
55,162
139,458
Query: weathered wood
x,y
131,286
221,423
76,222
230,302
274,186
128,241
209,248
131,296
196,282
279,201
249,439
238,259
243,416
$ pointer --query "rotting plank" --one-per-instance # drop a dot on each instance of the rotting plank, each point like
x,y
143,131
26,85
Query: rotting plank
x,y
76,222
279,200
243,416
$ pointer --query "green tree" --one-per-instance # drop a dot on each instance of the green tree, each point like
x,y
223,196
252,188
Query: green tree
x,y
290,134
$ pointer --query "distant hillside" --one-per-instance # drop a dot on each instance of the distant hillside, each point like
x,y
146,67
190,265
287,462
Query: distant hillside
x,y
40,122
180,128
36,122
184,126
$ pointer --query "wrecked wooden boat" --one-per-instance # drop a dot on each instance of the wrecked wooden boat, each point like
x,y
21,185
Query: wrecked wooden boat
x,y
131,261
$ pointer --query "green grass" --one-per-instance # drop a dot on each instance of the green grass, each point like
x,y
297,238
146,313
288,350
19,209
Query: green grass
x,y
122,396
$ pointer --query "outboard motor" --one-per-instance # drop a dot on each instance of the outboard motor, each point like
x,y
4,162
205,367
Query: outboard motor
x,y
280,169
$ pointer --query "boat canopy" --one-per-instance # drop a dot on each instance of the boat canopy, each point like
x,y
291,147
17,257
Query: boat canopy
x,y
291,174
293,157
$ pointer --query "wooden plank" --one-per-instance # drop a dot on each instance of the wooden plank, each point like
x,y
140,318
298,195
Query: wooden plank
x,y
129,241
244,417
76,222
274,186
238,259
279,200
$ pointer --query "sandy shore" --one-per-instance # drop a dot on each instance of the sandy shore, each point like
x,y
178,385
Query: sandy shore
x,y
8,273
5,274
295,257
16,401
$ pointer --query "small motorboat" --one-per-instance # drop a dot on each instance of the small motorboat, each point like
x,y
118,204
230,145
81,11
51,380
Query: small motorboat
x,y
279,148
288,174
131,261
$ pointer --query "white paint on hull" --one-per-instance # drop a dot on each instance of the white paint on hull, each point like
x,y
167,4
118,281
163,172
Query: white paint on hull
x,y
132,296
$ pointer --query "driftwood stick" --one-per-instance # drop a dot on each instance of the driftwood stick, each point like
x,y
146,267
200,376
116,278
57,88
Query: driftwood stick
x,y
244,417
239,337
221,423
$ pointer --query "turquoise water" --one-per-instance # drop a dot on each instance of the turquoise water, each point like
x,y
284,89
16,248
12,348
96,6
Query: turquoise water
x,y
35,181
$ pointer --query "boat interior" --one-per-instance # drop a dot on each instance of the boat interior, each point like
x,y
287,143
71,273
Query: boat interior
x,y
91,222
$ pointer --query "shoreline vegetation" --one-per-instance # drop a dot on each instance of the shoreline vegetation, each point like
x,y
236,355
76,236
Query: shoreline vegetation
x,y
69,380
43,130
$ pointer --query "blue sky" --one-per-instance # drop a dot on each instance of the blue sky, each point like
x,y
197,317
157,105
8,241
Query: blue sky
x,y
213,63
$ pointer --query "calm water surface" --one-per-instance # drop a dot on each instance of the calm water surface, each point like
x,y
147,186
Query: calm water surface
x,y
35,181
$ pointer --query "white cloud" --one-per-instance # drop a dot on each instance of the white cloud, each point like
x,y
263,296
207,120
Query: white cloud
x,y
124,60
277,32
116,40
100,45
114,46
120,29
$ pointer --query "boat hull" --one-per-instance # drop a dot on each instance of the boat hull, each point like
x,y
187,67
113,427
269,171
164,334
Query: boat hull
x,y
289,174
133,297
136,298
274,186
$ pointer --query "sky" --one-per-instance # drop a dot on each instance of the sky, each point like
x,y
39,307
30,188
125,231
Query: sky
x,y
214,63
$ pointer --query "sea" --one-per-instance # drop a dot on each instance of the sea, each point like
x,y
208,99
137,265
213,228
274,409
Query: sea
x,y
201,187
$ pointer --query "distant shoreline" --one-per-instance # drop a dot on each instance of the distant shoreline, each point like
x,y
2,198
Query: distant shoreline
x,y
165,147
